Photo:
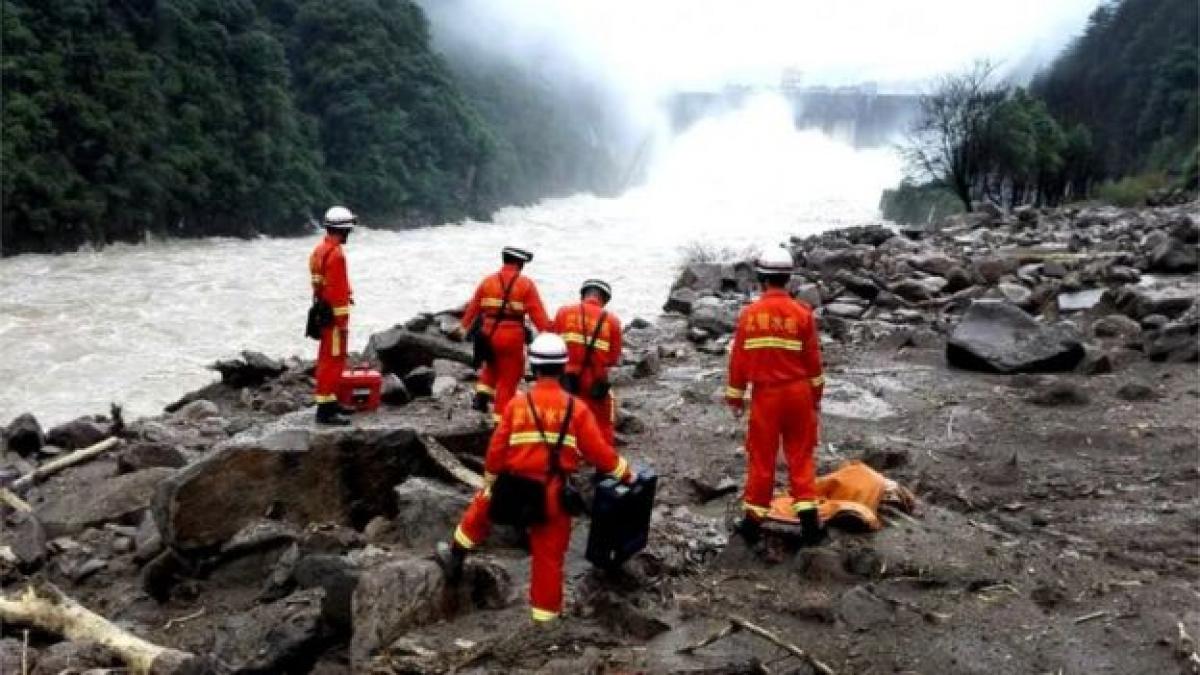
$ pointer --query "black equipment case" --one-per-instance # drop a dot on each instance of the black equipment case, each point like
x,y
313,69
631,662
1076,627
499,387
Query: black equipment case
x,y
620,519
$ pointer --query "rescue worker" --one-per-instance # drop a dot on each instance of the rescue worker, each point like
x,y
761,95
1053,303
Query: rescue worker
x,y
500,305
331,284
519,447
593,337
777,354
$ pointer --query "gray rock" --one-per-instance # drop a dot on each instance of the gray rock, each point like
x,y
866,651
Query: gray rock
x,y
1116,326
958,279
997,336
714,316
121,499
419,323
399,350
934,263
1185,228
13,652
251,370
1175,343
1079,300
648,364
458,371
1138,303
991,269
681,301
911,289
147,542
843,310
419,381
1015,294
73,657
27,538
1136,391
1173,256
337,576
443,385
78,433
1059,393
629,423
407,593
146,455
427,511
298,473
393,391
285,636
1122,274
24,435
860,285
809,294
1154,322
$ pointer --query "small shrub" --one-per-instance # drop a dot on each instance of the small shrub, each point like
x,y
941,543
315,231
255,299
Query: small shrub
x,y
1132,190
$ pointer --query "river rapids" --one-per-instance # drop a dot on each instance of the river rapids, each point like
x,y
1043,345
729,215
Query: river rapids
x,y
137,324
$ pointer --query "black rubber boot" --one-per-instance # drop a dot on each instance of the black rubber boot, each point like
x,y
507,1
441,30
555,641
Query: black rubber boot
x,y
450,558
481,402
330,414
812,532
751,531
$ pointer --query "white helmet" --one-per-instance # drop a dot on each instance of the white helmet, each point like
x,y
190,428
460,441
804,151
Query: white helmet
x,y
340,217
548,350
775,260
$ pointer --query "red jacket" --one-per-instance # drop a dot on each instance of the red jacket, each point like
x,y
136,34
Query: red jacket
x,y
517,446
576,324
330,280
776,343
522,301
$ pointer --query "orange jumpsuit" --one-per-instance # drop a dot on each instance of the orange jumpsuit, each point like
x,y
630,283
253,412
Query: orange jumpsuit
x,y
500,378
331,283
777,353
576,325
517,447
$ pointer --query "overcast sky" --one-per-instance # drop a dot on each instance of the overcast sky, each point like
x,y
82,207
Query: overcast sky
x,y
661,45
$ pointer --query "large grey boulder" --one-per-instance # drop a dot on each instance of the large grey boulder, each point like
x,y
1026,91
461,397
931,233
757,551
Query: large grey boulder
x,y
251,370
1139,303
1172,255
399,350
406,593
714,315
78,433
995,336
427,511
120,499
681,301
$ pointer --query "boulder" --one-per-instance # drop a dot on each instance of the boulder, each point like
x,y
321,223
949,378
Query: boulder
x,y
393,391
24,435
700,277
1122,274
1015,294
147,454
809,294
78,433
996,336
286,636
293,471
958,279
337,576
1175,343
406,593
714,316
681,301
74,657
1116,326
399,350
1185,228
991,269
843,310
648,364
862,286
427,511
1138,302
911,289
251,370
419,381
459,371
197,410
934,263
1136,391
443,385
121,499
1173,256
27,538
15,654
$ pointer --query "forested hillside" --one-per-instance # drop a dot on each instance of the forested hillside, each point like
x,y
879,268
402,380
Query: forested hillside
x,y
202,117
1132,80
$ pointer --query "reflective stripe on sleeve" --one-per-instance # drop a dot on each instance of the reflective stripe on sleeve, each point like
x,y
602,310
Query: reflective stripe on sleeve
x,y
734,392
774,343
462,539
342,311
544,615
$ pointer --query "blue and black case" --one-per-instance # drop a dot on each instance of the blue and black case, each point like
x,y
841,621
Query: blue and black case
x,y
620,519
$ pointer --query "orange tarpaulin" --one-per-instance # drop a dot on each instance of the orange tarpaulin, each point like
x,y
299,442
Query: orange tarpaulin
x,y
850,497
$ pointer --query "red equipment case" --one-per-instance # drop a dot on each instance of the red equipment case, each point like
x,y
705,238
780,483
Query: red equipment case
x,y
360,388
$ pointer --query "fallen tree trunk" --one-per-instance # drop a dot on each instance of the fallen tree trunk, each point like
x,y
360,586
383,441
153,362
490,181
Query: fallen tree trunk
x,y
446,460
50,468
47,608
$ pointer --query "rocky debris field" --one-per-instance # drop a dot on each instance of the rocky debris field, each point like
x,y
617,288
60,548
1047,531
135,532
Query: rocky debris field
x,y
1032,378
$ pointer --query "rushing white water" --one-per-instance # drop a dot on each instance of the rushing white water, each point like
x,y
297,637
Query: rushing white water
x,y
137,324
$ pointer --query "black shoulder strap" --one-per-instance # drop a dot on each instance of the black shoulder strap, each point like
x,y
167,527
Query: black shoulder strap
x,y
590,345
504,304
554,466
